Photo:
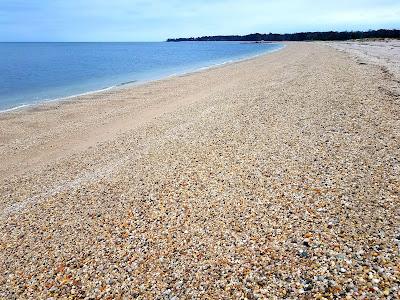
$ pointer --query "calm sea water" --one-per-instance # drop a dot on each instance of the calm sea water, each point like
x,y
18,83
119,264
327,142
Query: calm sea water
x,y
34,72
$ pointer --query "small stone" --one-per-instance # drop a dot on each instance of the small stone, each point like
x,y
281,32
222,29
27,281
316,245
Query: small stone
x,y
375,280
386,292
303,254
167,292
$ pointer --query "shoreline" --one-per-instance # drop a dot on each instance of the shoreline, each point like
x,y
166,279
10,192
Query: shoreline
x,y
133,83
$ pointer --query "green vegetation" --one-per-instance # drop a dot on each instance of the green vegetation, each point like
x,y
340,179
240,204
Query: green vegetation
x,y
302,36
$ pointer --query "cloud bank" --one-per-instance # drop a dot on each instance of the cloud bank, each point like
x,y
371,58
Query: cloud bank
x,y
127,20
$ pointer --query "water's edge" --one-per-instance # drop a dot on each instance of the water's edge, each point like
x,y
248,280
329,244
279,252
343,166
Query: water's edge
x,y
138,82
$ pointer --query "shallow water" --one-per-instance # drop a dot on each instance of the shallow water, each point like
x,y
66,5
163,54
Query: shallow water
x,y
34,72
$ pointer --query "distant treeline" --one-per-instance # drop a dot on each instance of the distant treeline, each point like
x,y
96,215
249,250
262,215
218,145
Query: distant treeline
x,y
301,36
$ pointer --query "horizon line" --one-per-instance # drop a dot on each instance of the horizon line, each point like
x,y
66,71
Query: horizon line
x,y
165,40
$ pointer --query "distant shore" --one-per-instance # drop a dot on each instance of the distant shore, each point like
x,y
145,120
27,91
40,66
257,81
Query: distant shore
x,y
298,36
277,176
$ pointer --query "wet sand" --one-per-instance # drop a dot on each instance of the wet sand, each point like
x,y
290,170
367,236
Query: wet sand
x,y
276,177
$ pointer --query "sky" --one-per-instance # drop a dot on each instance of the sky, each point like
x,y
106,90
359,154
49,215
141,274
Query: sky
x,y
157,20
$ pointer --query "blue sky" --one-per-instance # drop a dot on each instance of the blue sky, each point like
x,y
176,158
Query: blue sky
x,y
141,20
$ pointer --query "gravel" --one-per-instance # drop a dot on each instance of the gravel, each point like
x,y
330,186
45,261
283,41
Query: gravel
x,y
280,182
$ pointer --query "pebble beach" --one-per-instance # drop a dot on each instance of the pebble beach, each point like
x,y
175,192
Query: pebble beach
x,y
272,178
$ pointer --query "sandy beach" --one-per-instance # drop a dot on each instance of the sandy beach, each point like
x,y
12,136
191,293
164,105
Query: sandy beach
x,y
271,178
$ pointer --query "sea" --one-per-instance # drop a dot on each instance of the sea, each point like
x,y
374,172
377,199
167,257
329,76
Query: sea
x,y
35,72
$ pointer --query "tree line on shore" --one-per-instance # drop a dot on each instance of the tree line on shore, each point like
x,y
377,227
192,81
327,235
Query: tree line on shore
x,y
300,36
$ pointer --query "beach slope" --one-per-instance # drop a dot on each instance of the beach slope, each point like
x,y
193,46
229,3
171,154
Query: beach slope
x,y
272,177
